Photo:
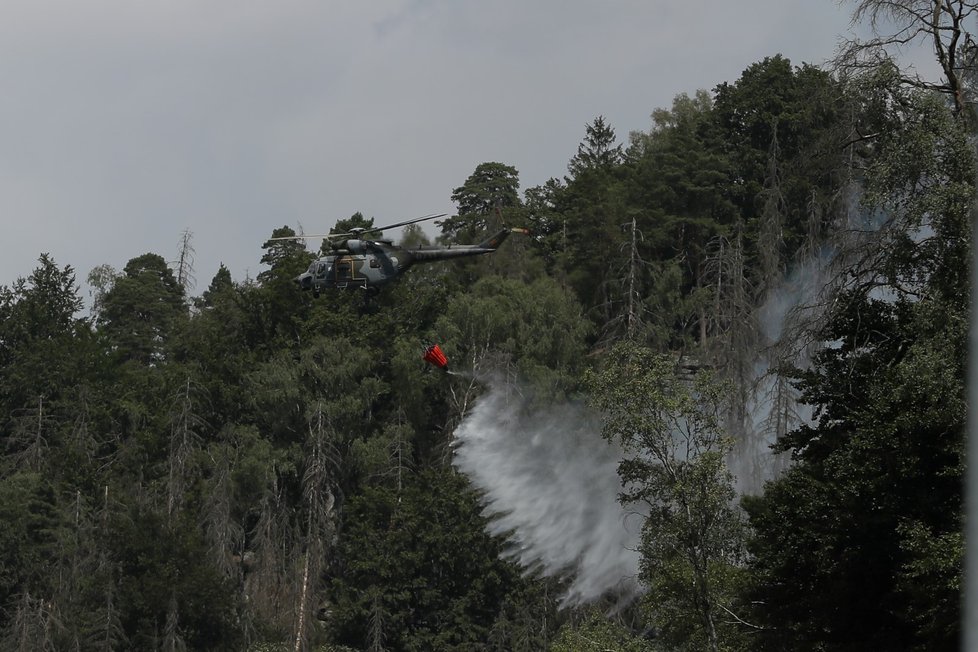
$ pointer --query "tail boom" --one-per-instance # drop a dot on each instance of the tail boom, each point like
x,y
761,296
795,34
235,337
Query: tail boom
x,y
459,251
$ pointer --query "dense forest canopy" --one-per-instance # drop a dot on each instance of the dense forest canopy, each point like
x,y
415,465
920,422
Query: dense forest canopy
x,y
763,299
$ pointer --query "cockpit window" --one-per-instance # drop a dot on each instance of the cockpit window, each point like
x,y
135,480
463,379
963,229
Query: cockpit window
x,y
317,269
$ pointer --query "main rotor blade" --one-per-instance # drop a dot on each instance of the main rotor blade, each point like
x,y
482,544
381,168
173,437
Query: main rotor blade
x,y
302,237
359,232
414,221
372,229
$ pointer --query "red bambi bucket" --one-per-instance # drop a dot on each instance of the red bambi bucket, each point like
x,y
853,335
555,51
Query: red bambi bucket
x,y
434,355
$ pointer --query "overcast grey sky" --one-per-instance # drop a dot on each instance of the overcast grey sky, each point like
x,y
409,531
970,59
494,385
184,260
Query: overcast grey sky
x,y
123,123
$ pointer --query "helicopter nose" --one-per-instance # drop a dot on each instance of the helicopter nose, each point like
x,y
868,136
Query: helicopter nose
x,y
304,280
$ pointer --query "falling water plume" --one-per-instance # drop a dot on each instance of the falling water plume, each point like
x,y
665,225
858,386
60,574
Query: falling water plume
x,y
551,486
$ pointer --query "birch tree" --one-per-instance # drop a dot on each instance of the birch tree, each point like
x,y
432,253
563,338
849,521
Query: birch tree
x,y
674,470
943,26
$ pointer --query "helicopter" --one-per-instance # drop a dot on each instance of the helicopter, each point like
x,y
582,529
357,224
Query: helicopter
x,y
357,262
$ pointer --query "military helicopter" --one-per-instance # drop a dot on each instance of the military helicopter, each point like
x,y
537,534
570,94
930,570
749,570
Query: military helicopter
x,y
356,262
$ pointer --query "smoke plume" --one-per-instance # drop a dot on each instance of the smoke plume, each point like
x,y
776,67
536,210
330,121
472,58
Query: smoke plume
x,y
550,485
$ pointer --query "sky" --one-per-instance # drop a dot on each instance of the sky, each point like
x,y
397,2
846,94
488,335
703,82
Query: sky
x,y
124,123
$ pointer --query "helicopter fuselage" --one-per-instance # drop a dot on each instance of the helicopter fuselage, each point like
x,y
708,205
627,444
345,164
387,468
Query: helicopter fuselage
x,y
372,264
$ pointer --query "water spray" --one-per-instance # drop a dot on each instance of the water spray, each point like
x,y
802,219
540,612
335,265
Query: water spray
x,y
550,486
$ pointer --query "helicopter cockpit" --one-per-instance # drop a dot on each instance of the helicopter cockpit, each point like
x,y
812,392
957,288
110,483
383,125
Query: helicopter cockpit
x,y
317,272
319,269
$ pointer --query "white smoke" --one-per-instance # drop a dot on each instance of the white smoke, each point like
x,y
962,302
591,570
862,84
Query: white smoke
x,y
551,486
789,320
784,320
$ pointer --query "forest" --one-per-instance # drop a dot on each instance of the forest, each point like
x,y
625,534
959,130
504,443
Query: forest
x,y
750,322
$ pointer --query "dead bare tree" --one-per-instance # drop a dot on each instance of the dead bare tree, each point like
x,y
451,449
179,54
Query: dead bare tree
x,y
623,290
318,496
267,586
185,262
172,640
378,621
941,25
223,531
730,322
398,450
770,241
109,633
185,426
30,430
33,626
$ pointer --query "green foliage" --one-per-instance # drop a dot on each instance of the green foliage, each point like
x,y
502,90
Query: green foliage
x,y
592,214
597,634
28,537
273,306
797,109
43,306
282,647
221,287
598,152
355,221
921,178
492,186
537,328
387,458
142,309
884,460
422,556
38,330
872,507
163,564
681,173
673,467
930,579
